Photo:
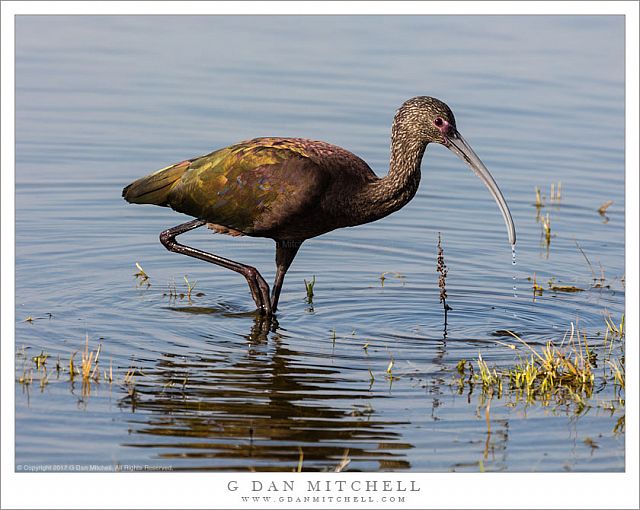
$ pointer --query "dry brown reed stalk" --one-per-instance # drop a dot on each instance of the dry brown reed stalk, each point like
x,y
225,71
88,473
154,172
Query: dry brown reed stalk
x,y
442,280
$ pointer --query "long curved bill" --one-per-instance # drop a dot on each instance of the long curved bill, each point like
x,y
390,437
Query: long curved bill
x,y
461,148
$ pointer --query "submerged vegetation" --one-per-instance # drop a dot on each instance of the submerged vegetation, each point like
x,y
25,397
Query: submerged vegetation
x,y
393,274
538,290
172,292
545,221
602,210
555,195
597,282
564,374
308,285
87,370
555,199
142,277
190,287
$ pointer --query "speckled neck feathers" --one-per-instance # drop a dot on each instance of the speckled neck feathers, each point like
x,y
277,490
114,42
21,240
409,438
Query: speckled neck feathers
x,y
390,193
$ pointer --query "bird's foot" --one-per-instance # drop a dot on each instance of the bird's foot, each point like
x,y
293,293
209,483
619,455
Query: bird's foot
x,y
259,291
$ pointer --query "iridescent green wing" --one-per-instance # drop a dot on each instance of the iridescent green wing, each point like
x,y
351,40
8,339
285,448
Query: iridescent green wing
x,y
252,187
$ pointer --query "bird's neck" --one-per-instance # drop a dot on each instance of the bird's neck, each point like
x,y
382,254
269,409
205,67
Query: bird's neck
x,y
390,193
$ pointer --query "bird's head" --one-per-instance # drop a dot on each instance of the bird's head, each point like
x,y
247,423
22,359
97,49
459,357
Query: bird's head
x,y
429,120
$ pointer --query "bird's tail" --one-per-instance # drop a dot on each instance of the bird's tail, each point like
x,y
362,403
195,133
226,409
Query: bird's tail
x,y
155,188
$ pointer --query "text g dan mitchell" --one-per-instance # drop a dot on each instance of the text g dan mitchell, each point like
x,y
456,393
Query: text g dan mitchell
x,y
325,486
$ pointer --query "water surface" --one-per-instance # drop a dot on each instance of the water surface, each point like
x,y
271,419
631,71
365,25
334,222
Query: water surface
x,y
101,101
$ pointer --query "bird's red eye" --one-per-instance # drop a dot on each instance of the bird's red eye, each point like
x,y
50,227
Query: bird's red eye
x,y
438,122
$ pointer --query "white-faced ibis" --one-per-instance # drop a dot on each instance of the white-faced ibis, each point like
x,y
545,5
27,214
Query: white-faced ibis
x,y
293,189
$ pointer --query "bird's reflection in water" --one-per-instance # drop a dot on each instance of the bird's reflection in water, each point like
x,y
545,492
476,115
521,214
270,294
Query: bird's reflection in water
x,y
261,406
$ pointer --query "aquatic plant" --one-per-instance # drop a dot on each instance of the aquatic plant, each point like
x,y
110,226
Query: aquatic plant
x,y
309,288
393,274
142,277
190,287
442,279
546,228
173,294
563,373
556,192
603,208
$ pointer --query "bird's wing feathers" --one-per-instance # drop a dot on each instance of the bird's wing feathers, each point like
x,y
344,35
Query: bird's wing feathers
x,y
155,188
251,187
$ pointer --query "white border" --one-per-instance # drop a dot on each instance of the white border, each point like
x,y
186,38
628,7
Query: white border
x,y
196,490
321,7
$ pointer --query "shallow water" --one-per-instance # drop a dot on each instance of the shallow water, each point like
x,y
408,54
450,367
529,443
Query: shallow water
x,y
101,101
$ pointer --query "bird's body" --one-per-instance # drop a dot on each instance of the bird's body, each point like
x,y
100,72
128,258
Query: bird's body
x,y
280,188
293,189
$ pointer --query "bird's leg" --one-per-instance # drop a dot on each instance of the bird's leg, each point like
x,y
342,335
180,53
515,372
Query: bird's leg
x,y
259,288
285,253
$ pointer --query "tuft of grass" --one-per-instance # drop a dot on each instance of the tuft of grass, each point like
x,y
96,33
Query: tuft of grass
x,y
72,367
89,362
612,333
389,372
603,208
128,376
190,287
614,330
141,276
489,378
556,192
555,195
537,289
309,288
393,274
40,360
619,426
89,371
141,272
129,382
546,227
564,373
591,443
173,294
26,378
87,368
390,367
109,377
617,367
